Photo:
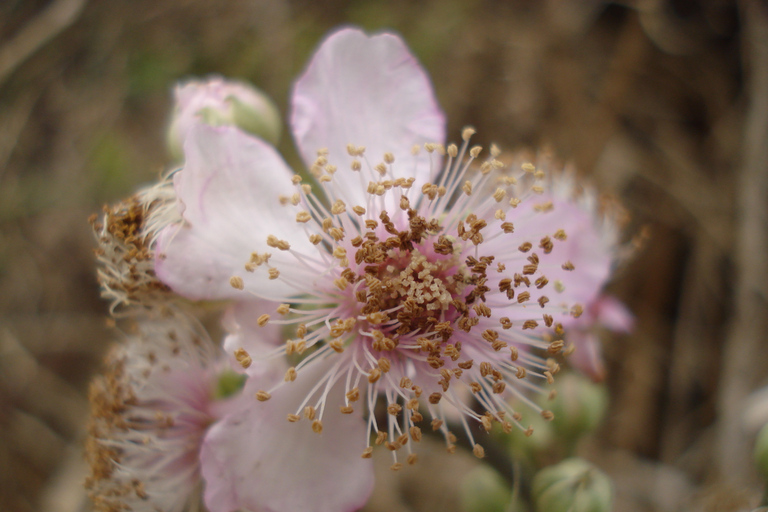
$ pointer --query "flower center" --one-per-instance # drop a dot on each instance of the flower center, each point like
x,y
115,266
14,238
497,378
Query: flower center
x,y
410,281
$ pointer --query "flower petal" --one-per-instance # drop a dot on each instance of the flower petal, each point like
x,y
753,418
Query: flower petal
x,y
255,459
366,91
229,192
588,356
612,314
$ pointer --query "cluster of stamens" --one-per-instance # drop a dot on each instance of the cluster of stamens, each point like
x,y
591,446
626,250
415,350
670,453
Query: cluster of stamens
x,y
409,299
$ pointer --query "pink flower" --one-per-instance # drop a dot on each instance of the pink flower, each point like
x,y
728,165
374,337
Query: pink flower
x,y
428,271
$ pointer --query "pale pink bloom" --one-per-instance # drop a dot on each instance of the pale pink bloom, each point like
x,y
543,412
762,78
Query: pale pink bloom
x,y
150,411
220,102
430,270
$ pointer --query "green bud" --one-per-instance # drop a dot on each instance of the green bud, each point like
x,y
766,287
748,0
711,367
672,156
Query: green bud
x,y
761,451
573,485
579,405
529,448
484,490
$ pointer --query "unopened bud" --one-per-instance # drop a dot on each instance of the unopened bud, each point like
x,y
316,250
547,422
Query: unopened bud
x,y
573,485
578,404
218,102
761,452
484,490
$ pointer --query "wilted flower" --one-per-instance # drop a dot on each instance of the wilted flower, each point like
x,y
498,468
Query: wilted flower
x,y
428,271
150,411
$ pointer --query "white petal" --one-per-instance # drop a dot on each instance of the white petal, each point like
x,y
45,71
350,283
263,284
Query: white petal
x,y
366,91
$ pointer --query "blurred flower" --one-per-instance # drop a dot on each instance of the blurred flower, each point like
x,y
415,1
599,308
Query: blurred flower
x,y
605,312
573,485
416,281
150,411
219,102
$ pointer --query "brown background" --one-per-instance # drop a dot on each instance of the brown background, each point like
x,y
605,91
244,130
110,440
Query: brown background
x,y
664,104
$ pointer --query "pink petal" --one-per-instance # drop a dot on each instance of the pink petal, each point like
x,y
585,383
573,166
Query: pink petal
x,y
366,91
255,459
229,193
613,315
588,356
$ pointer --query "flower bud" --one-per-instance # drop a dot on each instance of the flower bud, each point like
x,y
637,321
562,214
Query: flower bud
x,y
578,406
761,451
484,490
219,102
573,485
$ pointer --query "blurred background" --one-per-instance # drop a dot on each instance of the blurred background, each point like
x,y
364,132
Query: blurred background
x,y
663,104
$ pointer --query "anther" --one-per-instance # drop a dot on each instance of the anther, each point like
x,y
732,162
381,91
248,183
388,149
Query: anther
x,y
290,374
273,273
236,282
412,459
368,452
389,158
293,418
243,357
346,409
478,451
309,412
353,394
263,396
547,415
284,309
262,320
317,426
338,207
273,241
374,375
435,397
303,216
